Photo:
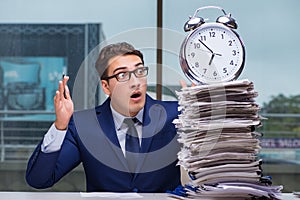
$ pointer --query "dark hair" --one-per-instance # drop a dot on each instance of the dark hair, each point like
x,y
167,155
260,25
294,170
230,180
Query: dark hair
x,y
111,51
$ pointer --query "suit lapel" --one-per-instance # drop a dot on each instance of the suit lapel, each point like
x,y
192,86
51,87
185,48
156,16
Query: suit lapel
x,y
154,120
155,117
106,122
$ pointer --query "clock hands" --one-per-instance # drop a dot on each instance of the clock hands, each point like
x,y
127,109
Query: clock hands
x,y
211,59
206,46
211,51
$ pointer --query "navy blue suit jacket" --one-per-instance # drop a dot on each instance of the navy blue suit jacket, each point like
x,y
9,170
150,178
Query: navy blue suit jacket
x,y
91,139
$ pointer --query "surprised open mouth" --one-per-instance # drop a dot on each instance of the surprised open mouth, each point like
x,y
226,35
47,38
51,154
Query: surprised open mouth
x,y
136,95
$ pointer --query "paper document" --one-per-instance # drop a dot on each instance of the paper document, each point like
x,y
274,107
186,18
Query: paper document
x,y
220,144
125,195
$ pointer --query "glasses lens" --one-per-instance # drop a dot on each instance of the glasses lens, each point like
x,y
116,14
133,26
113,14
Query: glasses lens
x,y
123,76
140,72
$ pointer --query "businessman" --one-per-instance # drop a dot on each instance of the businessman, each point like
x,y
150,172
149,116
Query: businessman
x,y
127,144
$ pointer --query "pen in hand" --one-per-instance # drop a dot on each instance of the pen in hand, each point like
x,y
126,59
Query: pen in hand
x,y
64,88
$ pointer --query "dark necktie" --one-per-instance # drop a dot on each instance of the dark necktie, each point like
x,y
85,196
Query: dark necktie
x,y
132,144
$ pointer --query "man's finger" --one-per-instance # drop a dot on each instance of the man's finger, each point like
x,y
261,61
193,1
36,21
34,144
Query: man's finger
x,y
182,83
61,89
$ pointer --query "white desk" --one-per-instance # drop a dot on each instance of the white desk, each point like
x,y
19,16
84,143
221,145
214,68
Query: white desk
x,y
77,196
69,196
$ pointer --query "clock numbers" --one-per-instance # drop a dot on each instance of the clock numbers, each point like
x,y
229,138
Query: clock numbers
x,y
202,37
212,34
222,36
234,52
197,45
224,70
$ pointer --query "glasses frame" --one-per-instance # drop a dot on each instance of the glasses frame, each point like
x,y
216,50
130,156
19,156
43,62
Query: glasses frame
x,y
129,75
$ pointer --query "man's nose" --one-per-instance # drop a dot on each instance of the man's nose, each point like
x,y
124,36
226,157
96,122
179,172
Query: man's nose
x,y
134,81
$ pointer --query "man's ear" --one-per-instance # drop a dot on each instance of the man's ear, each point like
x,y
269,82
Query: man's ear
x,y
105,87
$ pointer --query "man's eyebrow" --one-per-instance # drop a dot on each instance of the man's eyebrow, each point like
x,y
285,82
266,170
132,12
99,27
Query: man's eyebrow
x,y
137,64
120,68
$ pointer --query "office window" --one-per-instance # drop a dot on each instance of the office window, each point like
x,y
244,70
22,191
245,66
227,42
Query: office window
x,y
33,58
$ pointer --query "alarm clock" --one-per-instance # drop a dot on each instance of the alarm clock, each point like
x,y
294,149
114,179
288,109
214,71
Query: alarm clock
x,y
212,52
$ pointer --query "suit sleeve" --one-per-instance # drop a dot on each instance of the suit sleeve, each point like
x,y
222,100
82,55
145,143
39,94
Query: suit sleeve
x,y
45,169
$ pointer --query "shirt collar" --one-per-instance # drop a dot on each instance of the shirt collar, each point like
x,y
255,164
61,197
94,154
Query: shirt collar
x,y
119,118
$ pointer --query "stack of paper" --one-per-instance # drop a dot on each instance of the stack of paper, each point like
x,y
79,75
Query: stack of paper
x,y
219,143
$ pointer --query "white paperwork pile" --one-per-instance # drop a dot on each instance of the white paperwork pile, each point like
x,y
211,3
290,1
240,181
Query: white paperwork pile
x,y
216,128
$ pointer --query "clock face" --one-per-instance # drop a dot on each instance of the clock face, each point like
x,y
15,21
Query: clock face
x,y
212,53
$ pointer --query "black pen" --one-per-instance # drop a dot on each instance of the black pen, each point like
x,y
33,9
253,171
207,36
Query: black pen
x,y
63,75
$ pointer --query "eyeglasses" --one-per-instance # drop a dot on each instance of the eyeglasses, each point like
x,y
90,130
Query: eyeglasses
x,y
125,76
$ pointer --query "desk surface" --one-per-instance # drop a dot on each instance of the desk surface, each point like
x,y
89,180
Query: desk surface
x,y
77,196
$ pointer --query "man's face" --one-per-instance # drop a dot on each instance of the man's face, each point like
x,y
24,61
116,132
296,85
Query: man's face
x,y
128,97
